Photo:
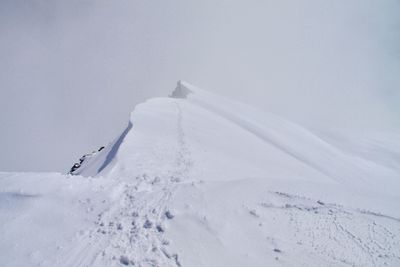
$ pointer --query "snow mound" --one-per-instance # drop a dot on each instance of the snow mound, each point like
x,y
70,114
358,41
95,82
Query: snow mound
x,y
200,180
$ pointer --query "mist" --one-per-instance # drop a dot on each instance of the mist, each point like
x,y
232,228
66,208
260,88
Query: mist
x,y
72,71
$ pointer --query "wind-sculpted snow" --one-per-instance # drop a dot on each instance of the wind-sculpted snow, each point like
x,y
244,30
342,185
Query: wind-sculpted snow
x,y
96,162
299,143
114,149
200,180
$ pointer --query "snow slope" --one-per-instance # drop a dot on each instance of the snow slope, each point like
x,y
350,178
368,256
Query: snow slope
x,y
200,180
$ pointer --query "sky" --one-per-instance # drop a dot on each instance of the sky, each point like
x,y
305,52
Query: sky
x,y
72,71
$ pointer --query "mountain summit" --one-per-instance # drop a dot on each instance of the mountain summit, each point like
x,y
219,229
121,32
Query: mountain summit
x,y
197,179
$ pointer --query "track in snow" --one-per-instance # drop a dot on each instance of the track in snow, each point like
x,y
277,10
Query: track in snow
x,y
339,234
131,231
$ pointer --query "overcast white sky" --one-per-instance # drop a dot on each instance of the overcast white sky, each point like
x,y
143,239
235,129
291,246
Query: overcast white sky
x,y
71,71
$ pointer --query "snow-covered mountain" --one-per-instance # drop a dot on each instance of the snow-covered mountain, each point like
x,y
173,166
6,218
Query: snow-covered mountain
x,y
200,180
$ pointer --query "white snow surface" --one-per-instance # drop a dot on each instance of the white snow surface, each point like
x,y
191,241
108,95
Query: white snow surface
x,y
200,180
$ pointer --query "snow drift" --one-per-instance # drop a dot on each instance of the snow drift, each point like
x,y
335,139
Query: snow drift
x,y
199,180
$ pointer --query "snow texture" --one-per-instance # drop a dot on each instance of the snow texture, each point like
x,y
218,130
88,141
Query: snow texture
x,y
200,180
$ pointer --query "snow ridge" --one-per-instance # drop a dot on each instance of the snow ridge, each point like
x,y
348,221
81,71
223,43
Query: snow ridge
x,y
199,180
